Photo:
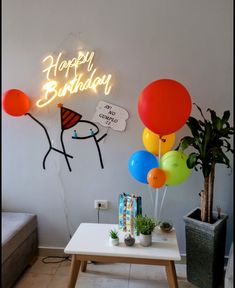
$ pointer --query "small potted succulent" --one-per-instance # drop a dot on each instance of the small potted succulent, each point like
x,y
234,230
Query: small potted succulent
x,y
165,226
145,226
129,240
113,237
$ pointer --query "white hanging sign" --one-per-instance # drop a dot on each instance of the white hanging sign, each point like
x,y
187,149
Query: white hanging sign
x,y
109,115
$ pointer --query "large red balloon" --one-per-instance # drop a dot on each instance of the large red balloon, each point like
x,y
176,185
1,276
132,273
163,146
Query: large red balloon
x,y
164,106
15,102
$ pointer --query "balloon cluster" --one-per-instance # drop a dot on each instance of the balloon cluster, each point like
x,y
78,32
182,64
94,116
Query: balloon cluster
x,y
164,106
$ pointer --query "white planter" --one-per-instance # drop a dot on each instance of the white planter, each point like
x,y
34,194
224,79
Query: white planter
x,y
114,242
145,240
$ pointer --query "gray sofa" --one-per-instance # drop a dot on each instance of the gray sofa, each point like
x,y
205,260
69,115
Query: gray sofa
x,y
19,245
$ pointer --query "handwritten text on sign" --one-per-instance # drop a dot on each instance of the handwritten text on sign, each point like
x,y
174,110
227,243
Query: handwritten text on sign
x,y
109,115
77,74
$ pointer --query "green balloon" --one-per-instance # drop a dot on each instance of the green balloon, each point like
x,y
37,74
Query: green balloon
x,y
175,165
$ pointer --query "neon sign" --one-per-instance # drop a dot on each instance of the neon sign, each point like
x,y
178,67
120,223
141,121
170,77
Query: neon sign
x,y
79,74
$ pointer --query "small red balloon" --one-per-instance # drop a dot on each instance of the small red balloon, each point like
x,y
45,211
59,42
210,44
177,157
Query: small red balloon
x,y
164,106
15,102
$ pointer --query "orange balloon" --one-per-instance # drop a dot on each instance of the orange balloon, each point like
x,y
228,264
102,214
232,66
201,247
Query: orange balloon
x,y
15,102
156,177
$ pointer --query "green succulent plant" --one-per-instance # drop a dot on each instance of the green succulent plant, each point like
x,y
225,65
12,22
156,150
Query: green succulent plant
x,y
144,224
209,140
113,234
166,226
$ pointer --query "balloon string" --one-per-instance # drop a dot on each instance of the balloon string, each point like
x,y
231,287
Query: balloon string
x,y
156,203
151,198
164,194
159,147
151,195
157,190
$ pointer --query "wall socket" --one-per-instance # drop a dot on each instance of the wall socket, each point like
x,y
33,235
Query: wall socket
x,y
103,204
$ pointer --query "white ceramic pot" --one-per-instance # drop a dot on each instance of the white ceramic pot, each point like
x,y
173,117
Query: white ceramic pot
x,y
114,242
145,240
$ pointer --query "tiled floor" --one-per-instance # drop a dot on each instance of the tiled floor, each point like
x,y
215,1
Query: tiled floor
x,y
100,275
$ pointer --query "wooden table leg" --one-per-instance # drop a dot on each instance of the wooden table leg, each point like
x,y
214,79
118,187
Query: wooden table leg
x,y
74,270
171,275
84,265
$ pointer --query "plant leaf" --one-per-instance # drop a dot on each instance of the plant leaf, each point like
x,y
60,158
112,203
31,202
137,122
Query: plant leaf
x,y
192,160
206,138
226,116
200,110
194,126
186,142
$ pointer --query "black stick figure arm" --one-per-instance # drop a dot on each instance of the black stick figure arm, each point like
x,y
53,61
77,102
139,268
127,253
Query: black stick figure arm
x,y
44,128
102,137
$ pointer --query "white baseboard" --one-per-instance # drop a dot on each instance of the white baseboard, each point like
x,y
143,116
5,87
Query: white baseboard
x,y
51,251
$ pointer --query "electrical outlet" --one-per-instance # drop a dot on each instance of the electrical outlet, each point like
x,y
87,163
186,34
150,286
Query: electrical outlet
x,y
103,204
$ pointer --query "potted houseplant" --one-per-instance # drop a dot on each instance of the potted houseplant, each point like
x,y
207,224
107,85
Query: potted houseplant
x,y
113,237
129,239
145,226
165,226
205,229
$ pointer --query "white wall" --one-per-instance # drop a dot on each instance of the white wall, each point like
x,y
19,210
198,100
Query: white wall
x,y
138,41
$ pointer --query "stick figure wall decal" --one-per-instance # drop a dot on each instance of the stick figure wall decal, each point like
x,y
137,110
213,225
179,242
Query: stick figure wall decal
x,y
69,119
16,103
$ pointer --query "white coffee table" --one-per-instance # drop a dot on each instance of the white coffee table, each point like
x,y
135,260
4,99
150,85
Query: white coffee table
x,y
90,242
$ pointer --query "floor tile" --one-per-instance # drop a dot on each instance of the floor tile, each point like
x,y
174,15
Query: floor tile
x,y
139,272
101,275
34,280
110,270
63,269
181,271
146,283
58,281
101,282
185,284
42,268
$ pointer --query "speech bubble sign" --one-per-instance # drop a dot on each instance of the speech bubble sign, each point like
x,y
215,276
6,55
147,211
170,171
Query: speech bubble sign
x,y
109,115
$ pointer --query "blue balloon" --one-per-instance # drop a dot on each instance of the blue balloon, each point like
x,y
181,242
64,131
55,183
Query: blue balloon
x,y
140,163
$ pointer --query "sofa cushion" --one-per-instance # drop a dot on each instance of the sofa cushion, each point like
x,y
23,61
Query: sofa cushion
x,y
16,227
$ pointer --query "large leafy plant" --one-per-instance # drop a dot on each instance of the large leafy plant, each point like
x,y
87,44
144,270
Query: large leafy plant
x,y
210,142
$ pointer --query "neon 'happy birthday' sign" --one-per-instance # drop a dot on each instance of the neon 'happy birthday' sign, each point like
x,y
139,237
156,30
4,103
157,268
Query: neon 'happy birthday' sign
x,y
79,74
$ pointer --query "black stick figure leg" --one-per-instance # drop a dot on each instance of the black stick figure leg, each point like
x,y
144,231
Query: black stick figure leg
x,y
98,148
65,155
57,150
45,157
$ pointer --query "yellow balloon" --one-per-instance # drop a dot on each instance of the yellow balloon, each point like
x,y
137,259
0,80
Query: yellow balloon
x,y
152,142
